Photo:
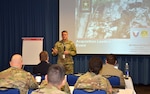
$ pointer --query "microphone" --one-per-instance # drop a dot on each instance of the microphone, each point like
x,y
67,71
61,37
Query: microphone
x,y
64,51
64,47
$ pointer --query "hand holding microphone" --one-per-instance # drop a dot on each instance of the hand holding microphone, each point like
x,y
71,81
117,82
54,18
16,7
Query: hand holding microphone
x,y
65,52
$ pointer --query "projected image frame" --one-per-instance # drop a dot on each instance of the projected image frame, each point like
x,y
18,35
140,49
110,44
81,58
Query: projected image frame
x,y
109,26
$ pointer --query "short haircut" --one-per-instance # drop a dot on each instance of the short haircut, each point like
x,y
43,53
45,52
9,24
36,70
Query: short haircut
x,y
64,31
56,74
43,56
111,59
95,64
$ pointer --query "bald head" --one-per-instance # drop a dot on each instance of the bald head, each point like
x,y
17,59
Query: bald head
x,y
16,61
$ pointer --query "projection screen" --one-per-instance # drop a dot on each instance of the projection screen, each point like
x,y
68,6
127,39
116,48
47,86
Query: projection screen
x,y
107,26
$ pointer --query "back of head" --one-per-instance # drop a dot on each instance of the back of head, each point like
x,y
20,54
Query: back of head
x,y
95,64
43,56
16,61
56,74
111,59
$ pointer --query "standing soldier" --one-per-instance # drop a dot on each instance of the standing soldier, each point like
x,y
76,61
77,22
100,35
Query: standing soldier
x,y
65,49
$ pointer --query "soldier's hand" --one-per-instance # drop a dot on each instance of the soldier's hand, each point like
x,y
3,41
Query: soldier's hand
x,y
54,50
66,52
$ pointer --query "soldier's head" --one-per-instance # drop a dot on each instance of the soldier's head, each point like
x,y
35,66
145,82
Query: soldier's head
x,y
44,56
56,75
64,35
16,61
111,59
95,64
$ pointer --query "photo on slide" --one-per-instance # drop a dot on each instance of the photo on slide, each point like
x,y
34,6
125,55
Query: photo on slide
x,y
112,19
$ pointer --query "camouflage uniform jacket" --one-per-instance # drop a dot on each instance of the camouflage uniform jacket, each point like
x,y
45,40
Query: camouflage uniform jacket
x,y
109,70
17,78
90,82
65,88
48,89
69,46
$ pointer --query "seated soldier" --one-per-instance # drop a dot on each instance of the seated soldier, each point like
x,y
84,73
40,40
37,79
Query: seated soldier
x,y
55,80
92,80
16,77
109,69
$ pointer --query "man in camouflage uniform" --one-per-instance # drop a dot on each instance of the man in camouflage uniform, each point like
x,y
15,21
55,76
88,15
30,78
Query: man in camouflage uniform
x,y
65,49
65,88
15,77
109,70
91,80
56,80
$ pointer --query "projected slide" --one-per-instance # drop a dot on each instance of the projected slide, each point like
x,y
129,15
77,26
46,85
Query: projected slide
x,y
107,26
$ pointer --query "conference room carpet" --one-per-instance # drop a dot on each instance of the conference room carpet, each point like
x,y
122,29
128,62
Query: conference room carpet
x,y
142,89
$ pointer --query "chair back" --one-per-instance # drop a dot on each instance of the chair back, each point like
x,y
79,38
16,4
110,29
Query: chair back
x,y
114,81
10,91
71,79
80,91
30,91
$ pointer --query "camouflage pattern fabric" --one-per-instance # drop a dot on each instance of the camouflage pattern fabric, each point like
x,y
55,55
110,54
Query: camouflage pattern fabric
x,y
49,89
68,68
65,88
68,60
91,82
109,70
17,78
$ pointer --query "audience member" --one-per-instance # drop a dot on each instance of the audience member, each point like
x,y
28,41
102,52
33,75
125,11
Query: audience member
x,y
109,69
56,80
42,67
64,88
16,77
92,80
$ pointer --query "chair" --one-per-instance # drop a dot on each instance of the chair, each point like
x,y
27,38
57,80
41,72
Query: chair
x,y
30,91
80,91
10,91
71,79
114,81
